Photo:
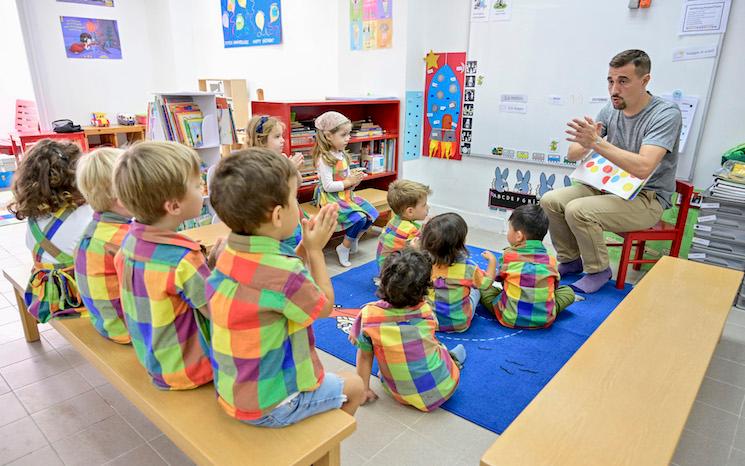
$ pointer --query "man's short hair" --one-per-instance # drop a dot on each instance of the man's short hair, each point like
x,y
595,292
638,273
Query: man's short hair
x,y
406,193
95,173
151,173
247,185
531,220
640,59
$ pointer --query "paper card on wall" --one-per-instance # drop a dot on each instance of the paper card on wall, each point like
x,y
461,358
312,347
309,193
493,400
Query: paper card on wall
x,y
413,136
687,105
443,99
501,10
479,11
91,38
704,17
513,108
601,173
599,99
695,53
90,2
555,100
514,98
370,24
258,22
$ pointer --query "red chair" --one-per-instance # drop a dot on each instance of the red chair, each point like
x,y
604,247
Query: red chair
x,y
26,141
663,231
26,122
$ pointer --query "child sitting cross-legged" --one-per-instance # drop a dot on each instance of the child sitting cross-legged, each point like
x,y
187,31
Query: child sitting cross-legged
x,y
399,330
532,296
263,299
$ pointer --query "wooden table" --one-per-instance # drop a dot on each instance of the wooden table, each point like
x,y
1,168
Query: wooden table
x,y
625,395
109,135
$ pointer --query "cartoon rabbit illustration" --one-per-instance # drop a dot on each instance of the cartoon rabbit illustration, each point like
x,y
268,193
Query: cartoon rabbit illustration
x,y
523,182
567,180
500,179
547,184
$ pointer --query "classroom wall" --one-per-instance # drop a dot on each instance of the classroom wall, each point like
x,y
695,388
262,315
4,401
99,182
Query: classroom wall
x,y
15,79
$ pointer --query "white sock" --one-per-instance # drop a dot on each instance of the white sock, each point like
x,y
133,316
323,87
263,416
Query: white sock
x,y
354,246
343,254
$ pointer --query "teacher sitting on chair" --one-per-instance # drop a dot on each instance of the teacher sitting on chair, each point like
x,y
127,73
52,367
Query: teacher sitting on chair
x,y
638,132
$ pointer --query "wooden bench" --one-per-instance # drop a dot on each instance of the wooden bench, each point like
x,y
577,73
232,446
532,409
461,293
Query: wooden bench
x,y
625,395
208,234
191,418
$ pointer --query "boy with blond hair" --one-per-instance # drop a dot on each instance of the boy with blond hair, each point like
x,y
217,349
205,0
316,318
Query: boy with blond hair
x,y
94,257
263,299
408,201
162,273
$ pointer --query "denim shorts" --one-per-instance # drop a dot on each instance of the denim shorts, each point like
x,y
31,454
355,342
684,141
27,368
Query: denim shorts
x,y
330,395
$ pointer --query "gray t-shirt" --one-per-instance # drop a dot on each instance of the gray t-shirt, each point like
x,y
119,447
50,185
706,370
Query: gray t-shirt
x,y
658,124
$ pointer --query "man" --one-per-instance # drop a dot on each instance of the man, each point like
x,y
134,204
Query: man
x,y
639,133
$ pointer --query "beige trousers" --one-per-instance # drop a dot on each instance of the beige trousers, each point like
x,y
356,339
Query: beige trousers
x,y
579,214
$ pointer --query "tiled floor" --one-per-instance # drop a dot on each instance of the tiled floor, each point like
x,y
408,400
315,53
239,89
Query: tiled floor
x,y
55,408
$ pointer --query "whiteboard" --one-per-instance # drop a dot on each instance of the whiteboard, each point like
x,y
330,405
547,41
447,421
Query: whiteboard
x,y
558,51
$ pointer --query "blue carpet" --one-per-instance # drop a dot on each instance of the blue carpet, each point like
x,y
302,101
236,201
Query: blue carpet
x,y
505,368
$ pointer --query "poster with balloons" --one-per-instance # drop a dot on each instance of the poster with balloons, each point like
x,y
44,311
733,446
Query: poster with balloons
x,y
370,24
246,23
443,100
91,38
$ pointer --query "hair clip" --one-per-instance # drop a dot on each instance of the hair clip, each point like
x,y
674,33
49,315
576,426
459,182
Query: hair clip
x,y
260,126
60,154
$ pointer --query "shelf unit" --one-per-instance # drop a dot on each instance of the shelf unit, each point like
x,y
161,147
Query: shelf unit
x,y
209,152
384,113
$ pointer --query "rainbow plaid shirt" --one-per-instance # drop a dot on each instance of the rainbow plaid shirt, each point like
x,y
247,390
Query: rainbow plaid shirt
x,y
162,276
396,236
530,276
263,301
415,368
96,275
450,292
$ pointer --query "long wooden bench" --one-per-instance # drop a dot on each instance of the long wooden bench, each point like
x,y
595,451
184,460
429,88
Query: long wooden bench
x,y
625,395
191,418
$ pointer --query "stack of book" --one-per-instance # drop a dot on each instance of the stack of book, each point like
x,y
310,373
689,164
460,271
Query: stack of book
x,y
301,133
365,129
308,174
225,122
182,120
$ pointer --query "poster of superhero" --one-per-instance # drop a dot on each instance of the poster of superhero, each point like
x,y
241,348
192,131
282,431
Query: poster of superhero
x,y
443,101
91,38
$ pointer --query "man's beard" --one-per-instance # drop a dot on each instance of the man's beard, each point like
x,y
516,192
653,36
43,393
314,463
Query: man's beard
x,y
620,105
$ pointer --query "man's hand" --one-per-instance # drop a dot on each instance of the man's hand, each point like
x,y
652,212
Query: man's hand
x,y
584,132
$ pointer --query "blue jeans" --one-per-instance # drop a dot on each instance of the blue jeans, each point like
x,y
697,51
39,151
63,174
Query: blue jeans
x,y
359,227
330,395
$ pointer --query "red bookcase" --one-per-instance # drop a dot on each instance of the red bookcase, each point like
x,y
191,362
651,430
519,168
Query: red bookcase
x,y
384,113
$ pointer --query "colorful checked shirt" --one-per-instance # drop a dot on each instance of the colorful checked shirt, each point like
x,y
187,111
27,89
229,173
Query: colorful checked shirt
x,y
530,276
415,368
352,208
451,290
96,275
262,301
396,236
162,276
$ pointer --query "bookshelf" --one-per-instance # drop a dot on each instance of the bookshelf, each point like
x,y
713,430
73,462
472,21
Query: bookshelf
x,y
217,128
383,113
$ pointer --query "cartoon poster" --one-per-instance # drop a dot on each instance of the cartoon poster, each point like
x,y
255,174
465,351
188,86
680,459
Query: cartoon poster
x,y
246,23
370,24
91,2
443,99
91,38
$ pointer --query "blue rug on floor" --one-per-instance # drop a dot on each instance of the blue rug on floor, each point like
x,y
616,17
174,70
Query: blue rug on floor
x,y
505,368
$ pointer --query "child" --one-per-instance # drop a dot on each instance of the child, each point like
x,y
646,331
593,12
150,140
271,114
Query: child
x,y
266,131
415,368
337,182
45,193
263,299
531,297
408,201
94,258
457,280
162,273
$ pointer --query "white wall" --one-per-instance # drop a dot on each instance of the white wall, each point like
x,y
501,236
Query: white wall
x,y
73,88
725,125
15,78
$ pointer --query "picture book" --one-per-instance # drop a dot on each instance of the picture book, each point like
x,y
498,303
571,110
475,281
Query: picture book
x,y
601,173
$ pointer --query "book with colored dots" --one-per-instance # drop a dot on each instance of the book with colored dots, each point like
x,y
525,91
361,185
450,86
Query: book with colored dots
x,y
601,173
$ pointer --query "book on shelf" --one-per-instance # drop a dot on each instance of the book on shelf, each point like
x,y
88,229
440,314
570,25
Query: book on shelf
x,y
225,122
